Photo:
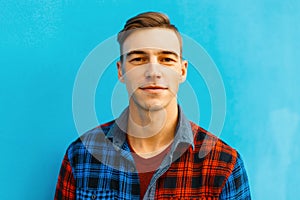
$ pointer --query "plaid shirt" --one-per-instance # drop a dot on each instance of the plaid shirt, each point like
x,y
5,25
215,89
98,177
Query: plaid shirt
x,y
99,165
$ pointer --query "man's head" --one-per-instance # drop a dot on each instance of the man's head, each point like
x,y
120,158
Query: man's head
x,y
151,64
144,21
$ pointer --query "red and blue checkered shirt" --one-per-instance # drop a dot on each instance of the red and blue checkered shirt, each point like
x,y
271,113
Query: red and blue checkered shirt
x,y
100,165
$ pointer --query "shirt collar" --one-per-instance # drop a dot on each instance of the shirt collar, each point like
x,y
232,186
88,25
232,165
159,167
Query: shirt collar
x,y
184,133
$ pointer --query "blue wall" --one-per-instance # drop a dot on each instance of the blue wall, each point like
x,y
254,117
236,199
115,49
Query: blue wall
x,y
255,45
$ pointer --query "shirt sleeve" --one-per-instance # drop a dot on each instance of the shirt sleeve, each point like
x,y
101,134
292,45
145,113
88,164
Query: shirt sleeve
x,y
237,186
66,185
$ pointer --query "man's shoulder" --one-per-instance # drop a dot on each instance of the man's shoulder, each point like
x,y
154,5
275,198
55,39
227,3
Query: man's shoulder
x,y
210,146
91,138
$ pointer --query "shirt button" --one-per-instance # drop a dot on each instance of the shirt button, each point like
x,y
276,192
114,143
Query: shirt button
x,y
93,196
117,148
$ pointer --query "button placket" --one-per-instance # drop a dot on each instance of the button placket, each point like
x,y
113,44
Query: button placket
x,y
94,196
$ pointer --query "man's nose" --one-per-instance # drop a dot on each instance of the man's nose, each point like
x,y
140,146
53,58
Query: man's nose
x,y
153,70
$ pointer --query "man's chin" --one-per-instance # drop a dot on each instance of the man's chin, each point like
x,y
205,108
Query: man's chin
x,y
153,107
156,107
149,104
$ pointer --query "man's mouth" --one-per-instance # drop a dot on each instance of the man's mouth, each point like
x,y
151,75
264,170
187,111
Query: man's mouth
x,y
153,88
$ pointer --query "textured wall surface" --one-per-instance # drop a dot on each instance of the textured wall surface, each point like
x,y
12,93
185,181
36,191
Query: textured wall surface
x,y
255,45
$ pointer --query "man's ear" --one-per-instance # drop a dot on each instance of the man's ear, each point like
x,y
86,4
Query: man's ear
x,y
120,71
184,66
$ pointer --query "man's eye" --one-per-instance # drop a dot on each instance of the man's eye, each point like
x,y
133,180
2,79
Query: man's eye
x,y
137,60
168,60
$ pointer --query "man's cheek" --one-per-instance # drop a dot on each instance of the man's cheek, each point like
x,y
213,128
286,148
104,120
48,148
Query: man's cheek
x,y
133,80
171,75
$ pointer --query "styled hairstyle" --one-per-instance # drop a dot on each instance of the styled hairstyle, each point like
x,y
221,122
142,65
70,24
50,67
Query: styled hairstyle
x,y
147,20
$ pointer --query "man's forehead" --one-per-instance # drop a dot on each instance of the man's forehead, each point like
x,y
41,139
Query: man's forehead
x,y
161,39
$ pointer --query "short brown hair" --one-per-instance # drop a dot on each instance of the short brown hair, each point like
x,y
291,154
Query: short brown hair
x,y
147,20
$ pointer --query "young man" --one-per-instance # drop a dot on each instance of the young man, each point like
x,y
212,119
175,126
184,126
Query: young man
x,y
151,151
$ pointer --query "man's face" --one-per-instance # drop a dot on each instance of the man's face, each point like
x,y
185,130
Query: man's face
x,y
152,68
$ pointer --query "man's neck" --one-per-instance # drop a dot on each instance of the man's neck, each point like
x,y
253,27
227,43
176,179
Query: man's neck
x,y
150,132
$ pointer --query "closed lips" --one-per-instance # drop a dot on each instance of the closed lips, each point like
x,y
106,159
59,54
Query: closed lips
x,y
153,87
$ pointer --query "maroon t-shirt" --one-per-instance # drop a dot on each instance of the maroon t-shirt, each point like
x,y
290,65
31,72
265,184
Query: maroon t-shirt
x,y
146,168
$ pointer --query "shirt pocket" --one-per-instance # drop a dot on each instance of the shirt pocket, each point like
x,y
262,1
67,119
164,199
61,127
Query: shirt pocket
x,y
86,194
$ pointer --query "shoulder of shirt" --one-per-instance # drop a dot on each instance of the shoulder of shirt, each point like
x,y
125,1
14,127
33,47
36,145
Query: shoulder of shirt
x,y
204,141
90,137
207,144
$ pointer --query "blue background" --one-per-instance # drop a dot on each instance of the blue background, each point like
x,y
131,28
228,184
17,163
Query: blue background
x,y
255,45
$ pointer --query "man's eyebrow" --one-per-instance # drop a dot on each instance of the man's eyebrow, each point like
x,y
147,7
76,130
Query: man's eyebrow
x,y
143,53
134,52
169,52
